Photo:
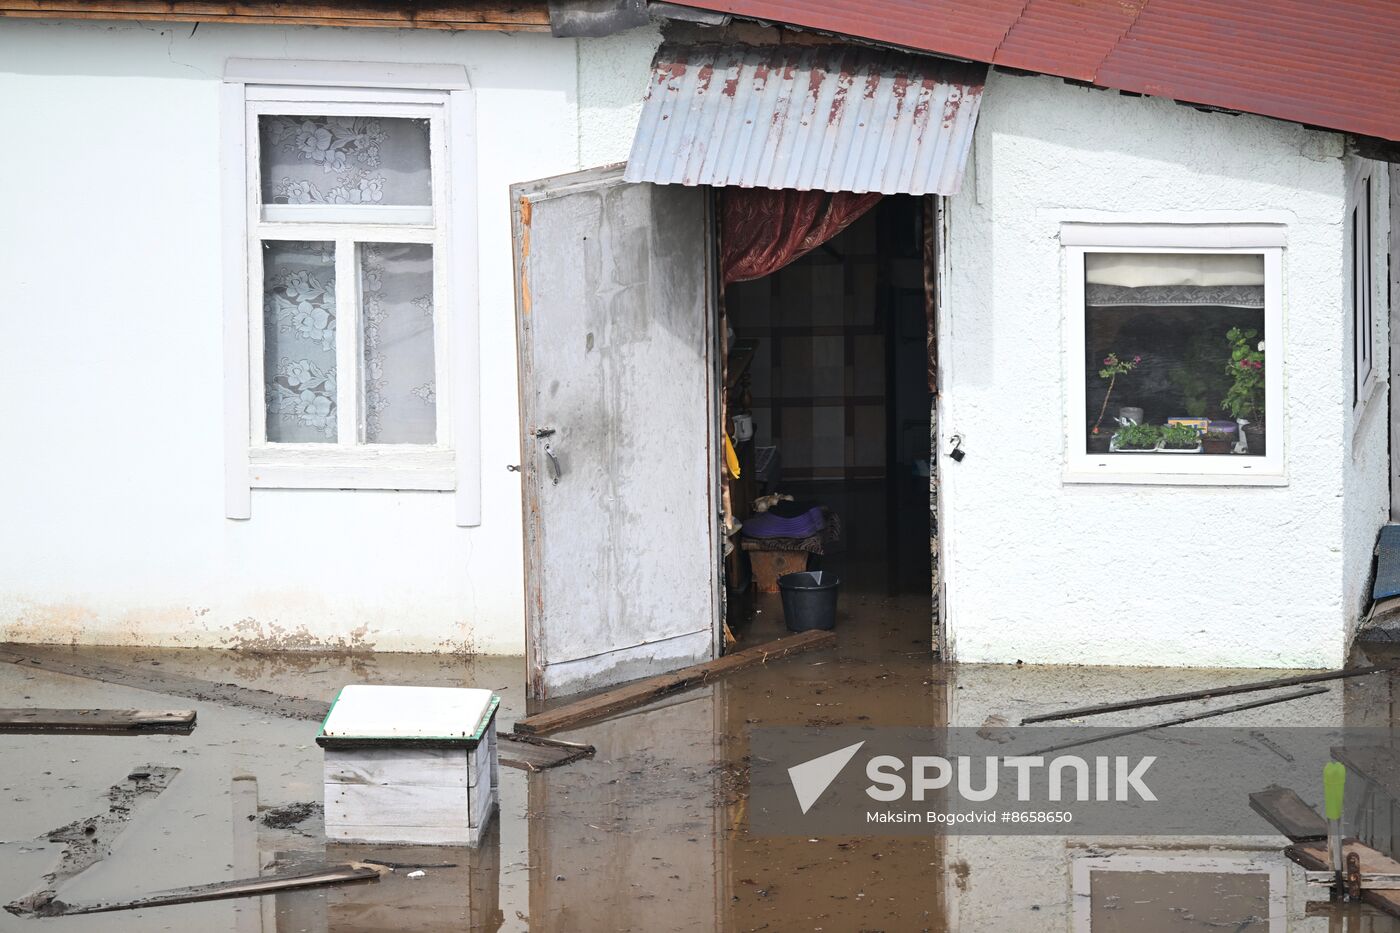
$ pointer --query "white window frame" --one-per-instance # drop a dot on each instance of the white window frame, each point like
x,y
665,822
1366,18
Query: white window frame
x,y
1263,239
1361,231
441,94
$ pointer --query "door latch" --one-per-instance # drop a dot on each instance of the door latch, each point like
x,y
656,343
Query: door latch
x,y
544,432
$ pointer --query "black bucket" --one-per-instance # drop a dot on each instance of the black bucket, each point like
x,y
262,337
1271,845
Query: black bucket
x,y
809,599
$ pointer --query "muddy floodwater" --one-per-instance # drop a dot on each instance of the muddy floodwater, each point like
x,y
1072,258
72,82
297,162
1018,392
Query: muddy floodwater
x,y
650,834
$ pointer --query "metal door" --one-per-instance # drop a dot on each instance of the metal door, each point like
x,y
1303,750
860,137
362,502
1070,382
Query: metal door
x,y
617,385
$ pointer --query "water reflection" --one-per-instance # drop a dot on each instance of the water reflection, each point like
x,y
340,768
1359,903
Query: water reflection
x,y
652,834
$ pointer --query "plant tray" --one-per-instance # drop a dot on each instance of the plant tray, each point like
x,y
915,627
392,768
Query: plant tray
x,y
1113,448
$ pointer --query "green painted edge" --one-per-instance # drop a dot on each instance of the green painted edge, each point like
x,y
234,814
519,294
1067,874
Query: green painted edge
x,y
329,711
325,740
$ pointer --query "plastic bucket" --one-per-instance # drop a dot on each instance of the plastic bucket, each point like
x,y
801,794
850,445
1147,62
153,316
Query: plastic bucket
x,y
809,599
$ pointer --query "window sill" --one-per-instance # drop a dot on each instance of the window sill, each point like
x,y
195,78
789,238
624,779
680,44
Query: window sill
x,y
1079,477
304,466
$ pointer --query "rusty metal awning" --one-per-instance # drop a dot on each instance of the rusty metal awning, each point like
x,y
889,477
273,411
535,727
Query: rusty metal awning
x,y
828,117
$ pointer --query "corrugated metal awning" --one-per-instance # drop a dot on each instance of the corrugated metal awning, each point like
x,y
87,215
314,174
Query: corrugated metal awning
x,y
828,117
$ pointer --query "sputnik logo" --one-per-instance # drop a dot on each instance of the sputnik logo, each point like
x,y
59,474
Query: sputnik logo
x,y
811,778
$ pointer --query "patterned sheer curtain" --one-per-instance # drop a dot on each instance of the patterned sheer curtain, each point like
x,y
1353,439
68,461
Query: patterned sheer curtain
x,y
366,164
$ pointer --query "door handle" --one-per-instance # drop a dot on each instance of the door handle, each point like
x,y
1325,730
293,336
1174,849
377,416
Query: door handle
x,y
553,462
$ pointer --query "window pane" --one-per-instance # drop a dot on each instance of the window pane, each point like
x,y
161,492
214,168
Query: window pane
x,y
1175,353
396,292
344,160
299,341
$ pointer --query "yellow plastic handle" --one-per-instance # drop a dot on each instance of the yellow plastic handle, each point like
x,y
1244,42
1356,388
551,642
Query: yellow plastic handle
x,y
731,459
1334,779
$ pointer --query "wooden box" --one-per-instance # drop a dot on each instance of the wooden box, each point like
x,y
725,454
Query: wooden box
x,y
410,765
768,566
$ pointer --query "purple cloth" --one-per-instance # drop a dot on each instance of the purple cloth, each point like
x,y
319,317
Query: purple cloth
x,y
768,525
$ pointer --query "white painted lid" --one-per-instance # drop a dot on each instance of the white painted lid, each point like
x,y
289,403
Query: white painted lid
x,y
365,711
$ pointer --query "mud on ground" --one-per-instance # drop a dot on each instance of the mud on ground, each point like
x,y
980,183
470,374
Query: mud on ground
x,y
651,834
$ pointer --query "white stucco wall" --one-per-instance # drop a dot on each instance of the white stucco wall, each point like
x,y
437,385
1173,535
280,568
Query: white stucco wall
x,y
613,74
1042,571
110,316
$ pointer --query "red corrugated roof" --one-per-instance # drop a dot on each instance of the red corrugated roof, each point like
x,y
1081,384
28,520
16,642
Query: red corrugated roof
x,y
1328,63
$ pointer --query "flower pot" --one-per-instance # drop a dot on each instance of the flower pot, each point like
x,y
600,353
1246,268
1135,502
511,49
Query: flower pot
x,y
1254,439
1098,443
1222,445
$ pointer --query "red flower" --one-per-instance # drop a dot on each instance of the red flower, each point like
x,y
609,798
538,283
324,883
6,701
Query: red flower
x,y
1108,361
1137,359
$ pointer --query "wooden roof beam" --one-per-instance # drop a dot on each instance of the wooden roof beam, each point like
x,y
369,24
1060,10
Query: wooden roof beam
x,y
522,16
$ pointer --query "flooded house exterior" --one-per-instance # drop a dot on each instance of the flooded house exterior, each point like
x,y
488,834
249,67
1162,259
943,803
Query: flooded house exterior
x,y
377,332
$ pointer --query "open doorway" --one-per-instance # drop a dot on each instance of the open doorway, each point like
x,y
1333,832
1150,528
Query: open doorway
x,y
829,402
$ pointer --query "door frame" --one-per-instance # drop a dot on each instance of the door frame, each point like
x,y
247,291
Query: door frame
x,y
523,195
934,223
1392,170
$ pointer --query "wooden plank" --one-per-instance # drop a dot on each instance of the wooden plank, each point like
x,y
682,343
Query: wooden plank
x,y
1226,690
1313,857
37,721
1287,813
522,16
1179,720
459,834
605,704
396,805
1375,764
428,767
351,873
247,863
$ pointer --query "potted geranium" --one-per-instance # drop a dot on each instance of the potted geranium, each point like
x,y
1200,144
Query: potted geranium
x,y
1245,398
1113,367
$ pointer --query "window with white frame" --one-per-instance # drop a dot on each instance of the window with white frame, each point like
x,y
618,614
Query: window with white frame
x,y
357,295
1174,348
347,245
1363,373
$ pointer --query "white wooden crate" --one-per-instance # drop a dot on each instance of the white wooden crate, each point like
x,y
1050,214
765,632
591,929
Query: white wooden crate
x,y
410,765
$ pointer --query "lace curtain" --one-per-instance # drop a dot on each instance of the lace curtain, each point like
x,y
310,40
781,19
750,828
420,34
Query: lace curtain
x,y
344,160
